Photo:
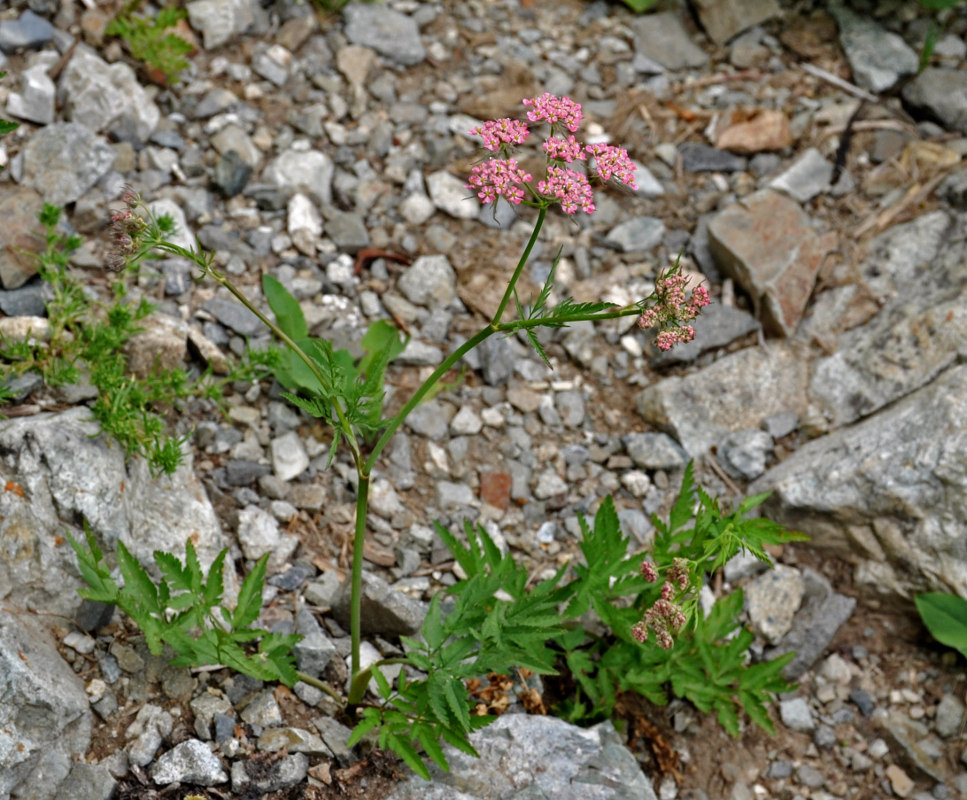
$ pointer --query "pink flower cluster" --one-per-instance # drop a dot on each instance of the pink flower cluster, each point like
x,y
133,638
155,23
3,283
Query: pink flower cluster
x,y
673,310
495,132
127,230
665,619
502,177
613,162
499,177
551,109
570,187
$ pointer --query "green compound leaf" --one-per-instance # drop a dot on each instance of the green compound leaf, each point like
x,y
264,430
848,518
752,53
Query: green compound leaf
x,y
250,596
286,308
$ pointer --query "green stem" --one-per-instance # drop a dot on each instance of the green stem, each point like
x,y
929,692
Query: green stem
x,y
525,256
394,423
357,688
321,685
282,335
362,503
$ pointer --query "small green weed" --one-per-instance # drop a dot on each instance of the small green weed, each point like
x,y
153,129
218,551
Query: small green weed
x,y
180,610
148,42
87,340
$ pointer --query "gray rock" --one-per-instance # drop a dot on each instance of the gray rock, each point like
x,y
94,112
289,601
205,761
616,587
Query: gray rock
x,y
151,726
384,609
738,391
806,177
71,473
313,653
797,715
702,158
263,710
214,102
302,170
294,740
190,762
723,19
287,771
809,776
106,97
88,782
20,241
772,600
347,230
636,235
231,173
661,37
453,495
570,405
386,31
822,613
950,716
430,419
269,68
289,457
717,326
768,244
890,500
45,716
29,31
877,57
335,735
234,315
221,21
449,195
655,451
35,100
941,93
258,532
577,764
205,706
62,161
743,453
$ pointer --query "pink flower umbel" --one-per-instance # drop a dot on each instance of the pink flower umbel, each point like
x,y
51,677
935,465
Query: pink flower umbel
x,y
498,177
568,150
665,619
673,310
548,108
506,131
613,162
570,187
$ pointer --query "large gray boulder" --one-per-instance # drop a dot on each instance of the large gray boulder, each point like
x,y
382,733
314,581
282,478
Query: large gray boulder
x,y
575,764
45,718
63,472
887,493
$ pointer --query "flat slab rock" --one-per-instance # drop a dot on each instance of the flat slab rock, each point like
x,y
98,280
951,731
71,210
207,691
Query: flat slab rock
x,y
575,764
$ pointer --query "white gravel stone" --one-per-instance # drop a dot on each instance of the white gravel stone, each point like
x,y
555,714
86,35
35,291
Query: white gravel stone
x,y
466,422
289,457
451,196
797,715
549,484
190,762
258,532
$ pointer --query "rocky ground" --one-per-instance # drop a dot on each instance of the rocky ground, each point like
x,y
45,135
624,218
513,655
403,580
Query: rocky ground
x,y
795,158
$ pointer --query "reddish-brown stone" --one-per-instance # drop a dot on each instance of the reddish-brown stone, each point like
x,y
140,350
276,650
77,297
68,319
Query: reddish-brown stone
x,y
495,489
765,130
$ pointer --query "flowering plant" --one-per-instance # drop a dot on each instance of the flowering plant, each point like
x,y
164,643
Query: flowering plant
x,y
484,632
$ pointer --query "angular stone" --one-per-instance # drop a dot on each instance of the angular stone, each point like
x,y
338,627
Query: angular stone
x,y
303,170
190,762
45,715
636,235
877,57
20,235
384,609
62,161
736,391
772,600
258,532
767,244
886,492
662,38
580,764
429,281
221,21
287,771
35,100
723,19
106,97
234,315
942,94
450,195
289,457
797,715
806,177
386,31
702,158
29,31
766,130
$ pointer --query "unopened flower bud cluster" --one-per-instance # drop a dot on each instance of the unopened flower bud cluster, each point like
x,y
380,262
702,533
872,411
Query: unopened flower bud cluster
x,y
673,311
665,618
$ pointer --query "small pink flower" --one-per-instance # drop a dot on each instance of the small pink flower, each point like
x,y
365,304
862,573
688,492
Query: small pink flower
x,y
570,187
568,150
613,162
648,571
501,131
498,177
553,109
640,631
